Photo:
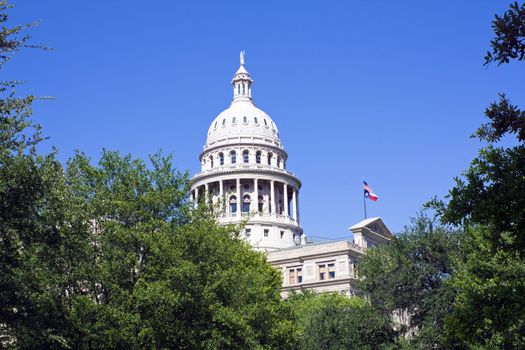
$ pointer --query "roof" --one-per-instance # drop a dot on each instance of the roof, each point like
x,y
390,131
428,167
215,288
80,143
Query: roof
x,y
364,223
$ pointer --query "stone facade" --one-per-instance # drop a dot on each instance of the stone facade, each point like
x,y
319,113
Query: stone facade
x,y
331,266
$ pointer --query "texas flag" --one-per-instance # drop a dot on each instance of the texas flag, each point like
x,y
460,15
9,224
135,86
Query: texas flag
x,y
369,193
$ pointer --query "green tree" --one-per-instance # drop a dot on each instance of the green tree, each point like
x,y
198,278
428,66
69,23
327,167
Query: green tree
x,y
334,321
488,201
165,276
31,210
405,279
509,42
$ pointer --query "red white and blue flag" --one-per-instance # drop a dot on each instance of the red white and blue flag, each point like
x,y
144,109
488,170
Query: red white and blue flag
x,y
369,193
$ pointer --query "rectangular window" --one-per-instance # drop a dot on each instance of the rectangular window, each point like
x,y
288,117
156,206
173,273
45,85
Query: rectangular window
x,y
322,272
331,271
266,232
291,274
248,232
282,234
295,275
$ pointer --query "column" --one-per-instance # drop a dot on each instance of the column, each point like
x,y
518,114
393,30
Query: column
x,y
272,197
206,195
256,195
197,196
239,199
297,205
294,204
285,200
221,196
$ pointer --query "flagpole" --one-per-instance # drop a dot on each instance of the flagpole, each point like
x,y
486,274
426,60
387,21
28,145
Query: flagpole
x,y
364,203
364,198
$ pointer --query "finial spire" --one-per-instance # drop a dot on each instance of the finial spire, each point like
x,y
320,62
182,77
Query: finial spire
x,y
242,83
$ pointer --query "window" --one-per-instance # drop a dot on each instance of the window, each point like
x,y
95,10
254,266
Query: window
x,y
233,157
234,120
278,161
260,204
248,232
246,203
239,88
295,275
258,157
223,122
270,155
266,232
326,271
245,156
215,126
211,161
282,234
322,272
246,186
245,120
233,204
221,158
265,123
256,120
331,271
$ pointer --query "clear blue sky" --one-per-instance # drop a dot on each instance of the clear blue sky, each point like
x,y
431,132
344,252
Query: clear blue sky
x,y
389,90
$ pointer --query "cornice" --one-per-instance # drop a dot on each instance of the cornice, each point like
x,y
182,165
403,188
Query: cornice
x,y
242,170
324,283
241,144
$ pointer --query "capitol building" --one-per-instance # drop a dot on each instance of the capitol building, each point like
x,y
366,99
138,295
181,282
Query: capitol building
x,y
245,179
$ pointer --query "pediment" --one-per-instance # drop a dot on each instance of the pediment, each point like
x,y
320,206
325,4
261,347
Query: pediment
x,y
372,226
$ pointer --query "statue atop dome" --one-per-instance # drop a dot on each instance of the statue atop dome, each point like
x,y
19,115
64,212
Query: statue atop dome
x,y
242,58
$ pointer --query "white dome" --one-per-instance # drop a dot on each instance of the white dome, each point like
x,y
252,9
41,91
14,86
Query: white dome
x,y
243,119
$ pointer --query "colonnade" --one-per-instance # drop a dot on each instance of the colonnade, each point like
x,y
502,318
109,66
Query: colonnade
x,y
272,207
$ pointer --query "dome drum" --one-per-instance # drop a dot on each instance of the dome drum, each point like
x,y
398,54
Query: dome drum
x,y
243,156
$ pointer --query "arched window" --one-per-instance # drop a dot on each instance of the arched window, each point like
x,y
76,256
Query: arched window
x,y
245,120
260,204
233,157
256,120
278,161
245,156
239,89
246,203
234,120
270,155
221,158
265,122
258,157
223,122
233,204
211,161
